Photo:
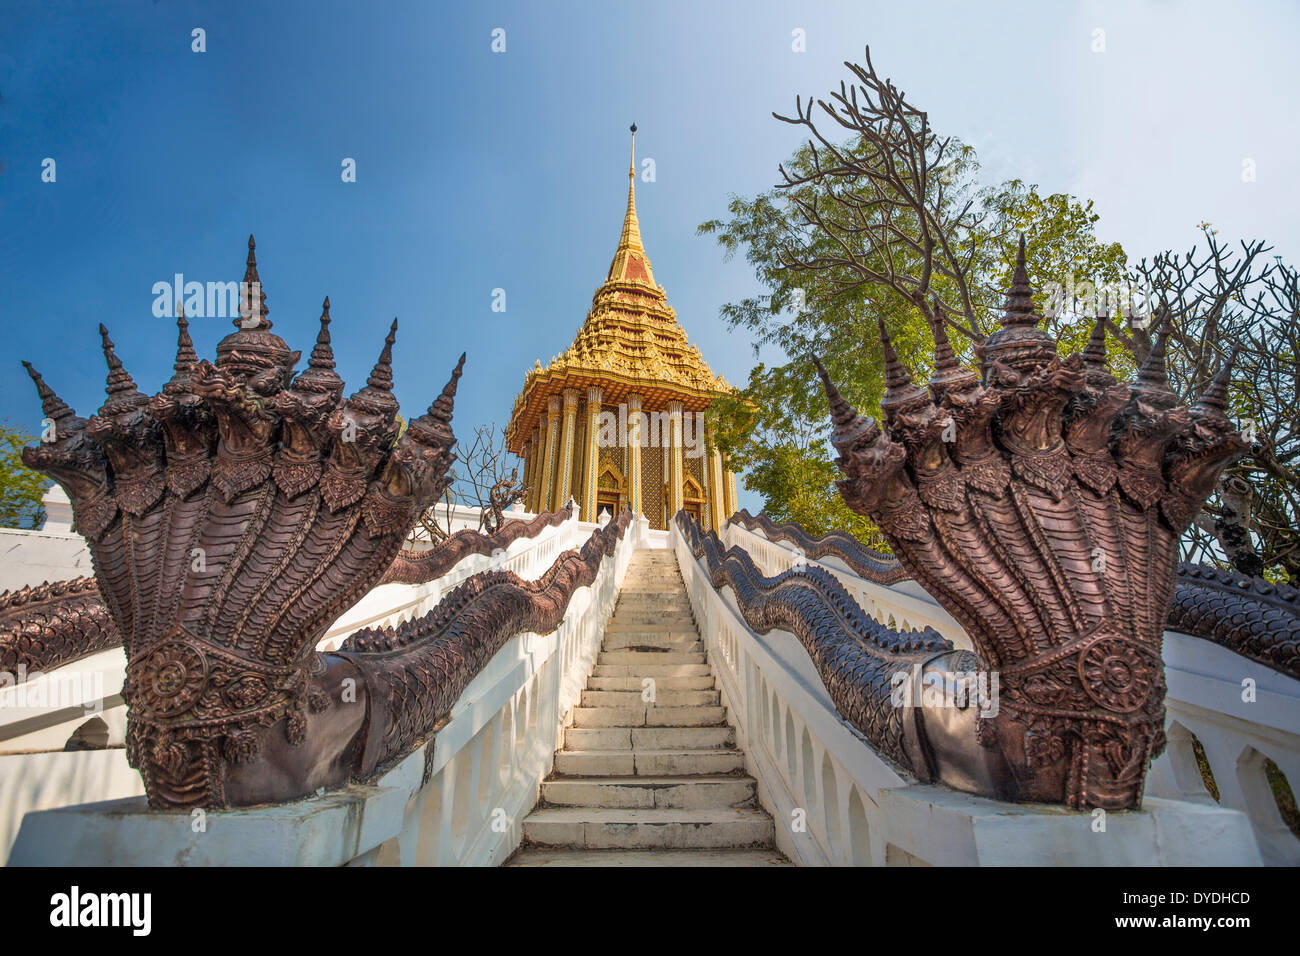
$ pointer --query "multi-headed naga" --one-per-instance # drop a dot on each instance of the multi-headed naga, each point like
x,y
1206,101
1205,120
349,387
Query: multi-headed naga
x,y
1041,504
231,518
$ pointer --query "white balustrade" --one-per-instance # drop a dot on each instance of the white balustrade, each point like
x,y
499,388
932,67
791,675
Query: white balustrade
x,y
1243,714
816,775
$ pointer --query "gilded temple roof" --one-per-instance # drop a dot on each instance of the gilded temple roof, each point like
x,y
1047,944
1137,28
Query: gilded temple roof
x,y
630,342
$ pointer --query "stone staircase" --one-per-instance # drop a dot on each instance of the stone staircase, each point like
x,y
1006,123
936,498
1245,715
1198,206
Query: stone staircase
x,y
649,782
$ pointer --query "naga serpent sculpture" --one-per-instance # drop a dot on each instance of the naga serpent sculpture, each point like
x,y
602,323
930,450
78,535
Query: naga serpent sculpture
x,y
856,657
877,567
1048,526
418,567
1248,615
231,518
55,623
52,624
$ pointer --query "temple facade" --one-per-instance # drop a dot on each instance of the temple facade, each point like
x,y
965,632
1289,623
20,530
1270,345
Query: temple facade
x,y
618,418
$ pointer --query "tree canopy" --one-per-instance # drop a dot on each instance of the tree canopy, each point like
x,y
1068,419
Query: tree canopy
x,y
21,488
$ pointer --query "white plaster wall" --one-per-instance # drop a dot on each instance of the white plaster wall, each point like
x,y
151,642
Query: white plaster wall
x,y
34,557
46,781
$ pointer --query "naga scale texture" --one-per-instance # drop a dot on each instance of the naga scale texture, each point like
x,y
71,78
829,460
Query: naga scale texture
x,y
231,518
53,624
874,566
1248,615
1047,525
411,567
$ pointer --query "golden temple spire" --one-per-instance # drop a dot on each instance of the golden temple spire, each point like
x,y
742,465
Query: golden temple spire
x,y
631,264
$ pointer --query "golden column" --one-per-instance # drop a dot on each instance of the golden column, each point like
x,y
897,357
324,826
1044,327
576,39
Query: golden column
x,y
563,480
552,426
716,504
527,455
731,495
535,469
634,453
675,497
591,455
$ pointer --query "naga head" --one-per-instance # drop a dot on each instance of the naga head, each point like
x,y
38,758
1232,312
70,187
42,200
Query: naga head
x,y
1041,502
232,517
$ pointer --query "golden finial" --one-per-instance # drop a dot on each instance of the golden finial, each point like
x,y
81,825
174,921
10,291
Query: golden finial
x,y
629,243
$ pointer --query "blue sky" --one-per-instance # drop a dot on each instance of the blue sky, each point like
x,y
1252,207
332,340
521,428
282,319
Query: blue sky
x,y
479,170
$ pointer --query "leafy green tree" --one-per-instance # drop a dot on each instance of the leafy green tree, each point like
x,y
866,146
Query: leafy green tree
x,y
772,428
20,487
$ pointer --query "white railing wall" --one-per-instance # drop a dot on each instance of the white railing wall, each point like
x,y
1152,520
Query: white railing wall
x,y
1241,712
392,604
36,720
459,518
487,763
816,775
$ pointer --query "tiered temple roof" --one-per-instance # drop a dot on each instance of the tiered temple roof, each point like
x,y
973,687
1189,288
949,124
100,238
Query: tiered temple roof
x,y
630,343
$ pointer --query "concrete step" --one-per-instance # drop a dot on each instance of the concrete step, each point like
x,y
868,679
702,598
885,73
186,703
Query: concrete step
x,y
656,828
663,682
655,670
649,784
647,763
553,856
674,602
651,621
662,698
631,637
687,642
624,657
650,738
650,614
682,793
648,716
655,626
